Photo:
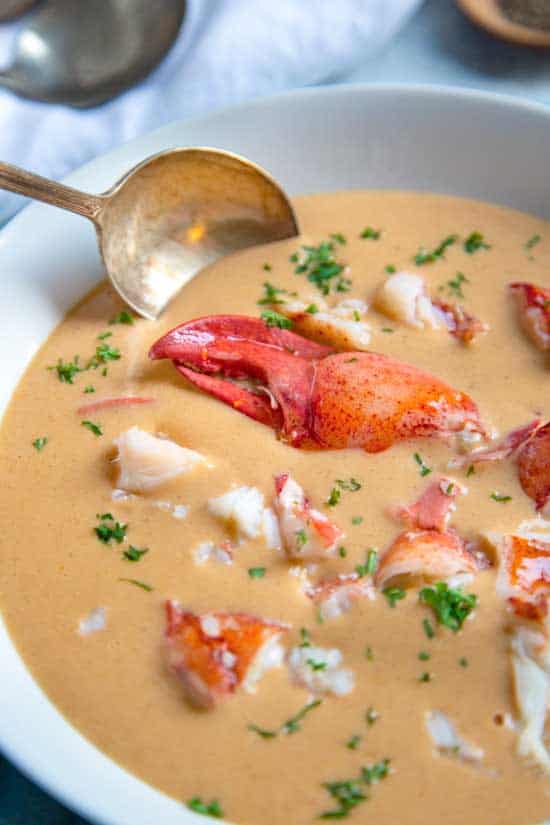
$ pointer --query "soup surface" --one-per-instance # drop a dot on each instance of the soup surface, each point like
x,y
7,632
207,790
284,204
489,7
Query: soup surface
x,y
114,684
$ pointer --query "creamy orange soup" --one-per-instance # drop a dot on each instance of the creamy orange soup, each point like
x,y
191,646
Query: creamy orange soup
x,y
115,685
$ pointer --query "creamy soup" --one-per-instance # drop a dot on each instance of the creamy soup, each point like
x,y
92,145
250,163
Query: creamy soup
x,y
87,611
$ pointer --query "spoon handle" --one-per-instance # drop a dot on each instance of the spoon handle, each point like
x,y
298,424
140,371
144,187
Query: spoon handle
x,y
34,186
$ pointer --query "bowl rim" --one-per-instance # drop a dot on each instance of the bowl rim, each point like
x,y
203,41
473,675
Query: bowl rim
x,y
38,770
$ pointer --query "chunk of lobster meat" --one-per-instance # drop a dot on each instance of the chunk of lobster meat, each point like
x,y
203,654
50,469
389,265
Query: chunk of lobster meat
x,y
510,445
146,461
523,579
306,533
241,509
342,326
532,694
215,653
460,323
447,740
336,596
424,556
534,312
403,297
314,399
319,669
434,508
534,468
208,551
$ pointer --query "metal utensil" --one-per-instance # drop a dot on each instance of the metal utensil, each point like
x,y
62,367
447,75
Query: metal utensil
x,y
84,53
170,216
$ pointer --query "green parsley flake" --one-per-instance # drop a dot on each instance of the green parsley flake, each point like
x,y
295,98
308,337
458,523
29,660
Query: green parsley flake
x,y
426,676
312,309
533,241
292,725
275,319
390,269
387,329
428,628
103,354
94,428
423,256
370,234
104,335
319,265
123,317
371,565
351,485
271,294
471,471
339,238
357,520
473,242
137,583
342,552
305,638
265,734
109,529
369,654
66,371
349,793
267,267
334,497
451,606
394,595
424,469
315,666
89,388
256,572
499,497
133,553
455,285
423,655
40,443
207,808
301,539
353,742
463,662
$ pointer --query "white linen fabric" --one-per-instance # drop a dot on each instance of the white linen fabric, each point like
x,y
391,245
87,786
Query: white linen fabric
x,y
228,51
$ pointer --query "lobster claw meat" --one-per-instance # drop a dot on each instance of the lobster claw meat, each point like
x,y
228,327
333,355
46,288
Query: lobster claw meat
x,y
314,398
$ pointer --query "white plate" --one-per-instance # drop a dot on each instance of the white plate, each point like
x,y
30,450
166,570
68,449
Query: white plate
x,y
436,139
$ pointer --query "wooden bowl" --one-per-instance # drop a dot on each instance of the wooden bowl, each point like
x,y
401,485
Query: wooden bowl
x,y
489,16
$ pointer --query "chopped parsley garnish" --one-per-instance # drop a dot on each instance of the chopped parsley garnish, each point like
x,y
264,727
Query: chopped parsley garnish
x,y
353,742
267,267
339,238
315,666
369,654
40,443
134,553
451,606
207,808
473,242
89,388
104,335
123,317
349,793
370,566
94,428
533,241
265,734
305,637
312,309
292,725
455,284
109,529
425,677
371,716
428,628
271,294
424,256
66,371
390,269
394,595
351,485
356,315
301,538
342,552
334,497
470,471
424,469
423,655
370,234
256,572
138,583
357,520
463,662
319,265
500,497
103,354
448,491
387,329
275,319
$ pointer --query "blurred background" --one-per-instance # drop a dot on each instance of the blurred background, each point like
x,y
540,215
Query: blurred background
x,y
78,77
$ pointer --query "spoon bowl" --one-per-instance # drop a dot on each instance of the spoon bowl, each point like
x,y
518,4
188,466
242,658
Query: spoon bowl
x,y
170,216
84,53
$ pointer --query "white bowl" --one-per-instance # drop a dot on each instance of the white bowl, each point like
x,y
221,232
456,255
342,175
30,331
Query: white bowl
x,y
437,139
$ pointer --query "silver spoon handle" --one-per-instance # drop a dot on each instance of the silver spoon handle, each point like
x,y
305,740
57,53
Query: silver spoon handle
x,y
34,186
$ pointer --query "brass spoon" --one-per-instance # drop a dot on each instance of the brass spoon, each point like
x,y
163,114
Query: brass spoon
x,y
170,216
